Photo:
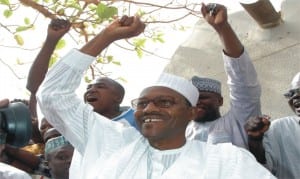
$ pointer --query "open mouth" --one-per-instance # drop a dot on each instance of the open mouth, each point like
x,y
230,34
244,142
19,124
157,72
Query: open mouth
x,y
297,104
91,99
152,120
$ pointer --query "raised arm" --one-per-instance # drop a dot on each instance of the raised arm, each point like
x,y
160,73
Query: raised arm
x,y
244,87
123,28
57,98
216,16
56,30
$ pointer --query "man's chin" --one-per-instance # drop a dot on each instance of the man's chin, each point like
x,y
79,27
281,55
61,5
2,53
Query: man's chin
x,y
204,119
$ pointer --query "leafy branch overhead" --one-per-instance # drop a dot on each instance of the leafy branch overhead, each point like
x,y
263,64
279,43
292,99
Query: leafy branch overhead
x,y
89,16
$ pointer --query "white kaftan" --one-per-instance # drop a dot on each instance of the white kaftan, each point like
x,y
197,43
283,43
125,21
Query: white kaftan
x,y
281,143
111,150
245,92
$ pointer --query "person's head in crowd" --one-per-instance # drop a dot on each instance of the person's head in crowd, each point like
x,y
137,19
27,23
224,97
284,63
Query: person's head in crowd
x,y
293,94
58,153
44,127
210,99
50,133
163,111
105,95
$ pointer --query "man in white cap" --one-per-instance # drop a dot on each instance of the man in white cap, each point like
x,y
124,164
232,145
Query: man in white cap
x,y
111,150
58,154
244,87
276,145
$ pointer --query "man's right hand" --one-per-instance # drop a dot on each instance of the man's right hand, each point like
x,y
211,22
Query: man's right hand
x,y
58,28
126,27
257,126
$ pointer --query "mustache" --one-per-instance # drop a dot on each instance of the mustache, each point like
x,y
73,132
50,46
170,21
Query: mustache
x,y
151,114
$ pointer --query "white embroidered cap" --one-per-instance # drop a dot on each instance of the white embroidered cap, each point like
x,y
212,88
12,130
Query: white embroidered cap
x,y
55,143
180,85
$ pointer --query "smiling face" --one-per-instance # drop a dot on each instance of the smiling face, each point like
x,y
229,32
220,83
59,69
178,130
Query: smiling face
x,y
208,106
294,101
105,95
162,115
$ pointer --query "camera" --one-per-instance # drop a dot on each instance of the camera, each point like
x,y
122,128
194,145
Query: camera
x,y
15,125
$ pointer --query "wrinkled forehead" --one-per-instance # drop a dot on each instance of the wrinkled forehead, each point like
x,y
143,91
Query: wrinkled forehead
x,y
158,91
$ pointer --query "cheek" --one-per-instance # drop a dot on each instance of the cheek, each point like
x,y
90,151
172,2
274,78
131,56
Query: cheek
x,y
137,115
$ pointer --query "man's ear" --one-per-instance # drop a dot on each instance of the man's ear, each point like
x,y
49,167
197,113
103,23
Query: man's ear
x,y
118,99
221,101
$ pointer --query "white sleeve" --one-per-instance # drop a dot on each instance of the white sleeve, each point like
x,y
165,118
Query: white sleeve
x,y
245,92
8,172
59,103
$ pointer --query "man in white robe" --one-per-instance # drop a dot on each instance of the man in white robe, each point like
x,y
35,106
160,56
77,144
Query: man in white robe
x,y
162,112
275,144
244,87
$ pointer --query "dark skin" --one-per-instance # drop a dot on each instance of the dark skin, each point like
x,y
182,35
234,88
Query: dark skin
x,y
208,106
56,30
167,128
209,103
105,95
59,161
257,126
294,102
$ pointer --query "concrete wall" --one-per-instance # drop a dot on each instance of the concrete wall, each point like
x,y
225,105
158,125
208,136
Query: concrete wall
x,y
275,53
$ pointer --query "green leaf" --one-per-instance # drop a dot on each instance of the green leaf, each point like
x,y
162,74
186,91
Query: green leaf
x,y
116,63
139,42
7,13
75,6
99,60
60,44
139,52
19,40
106,12
158,37
53,60
23,28
109,58
86,79
5,2
26,20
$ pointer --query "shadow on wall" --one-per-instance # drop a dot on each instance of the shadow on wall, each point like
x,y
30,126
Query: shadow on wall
x,y
275,52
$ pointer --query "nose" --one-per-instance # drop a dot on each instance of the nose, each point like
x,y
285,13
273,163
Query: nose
x,y
150,107
91,89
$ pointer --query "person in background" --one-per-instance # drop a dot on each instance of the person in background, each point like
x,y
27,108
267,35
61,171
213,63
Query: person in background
x,y
159,148
274,143
8,171
244,87
103,94
59,153
29,157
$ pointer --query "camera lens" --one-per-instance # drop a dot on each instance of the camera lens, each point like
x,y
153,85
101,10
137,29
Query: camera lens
x,y
15,124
